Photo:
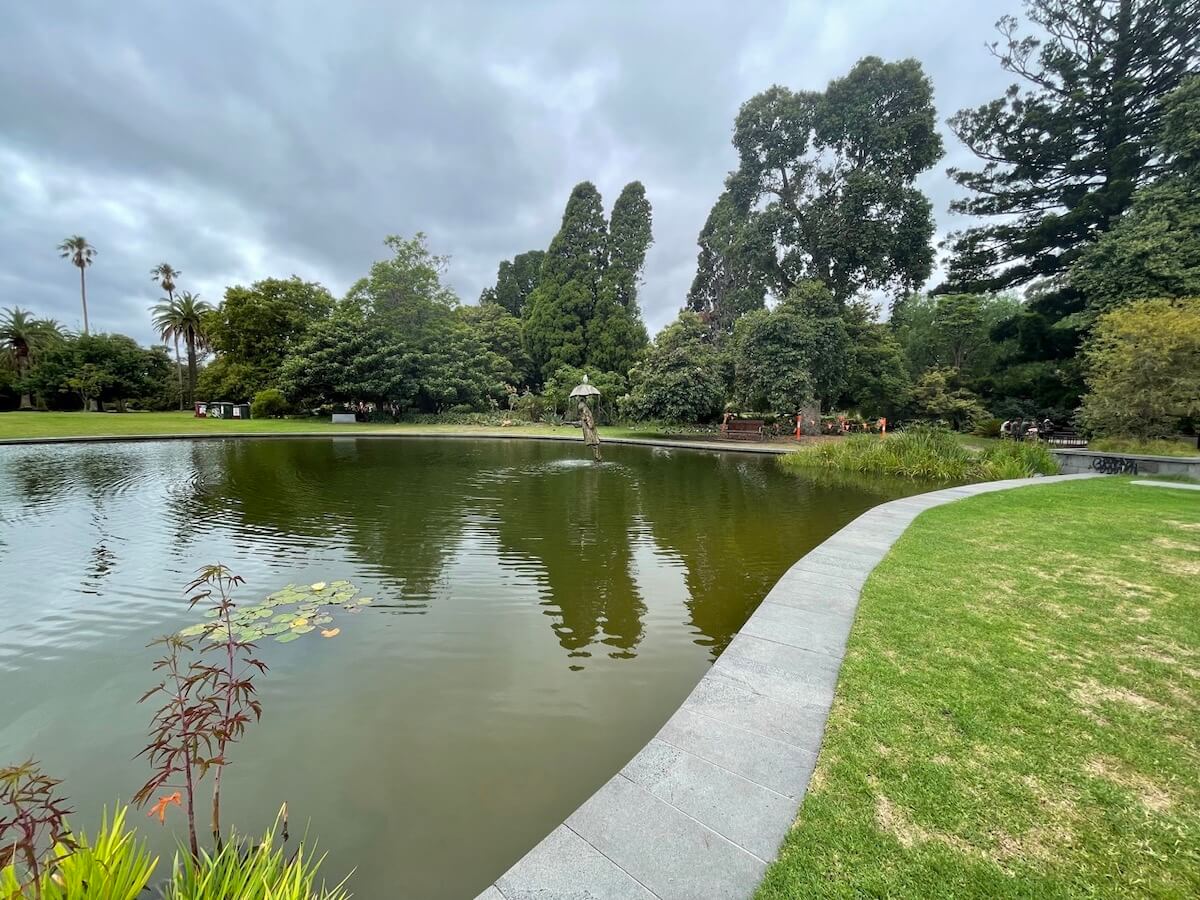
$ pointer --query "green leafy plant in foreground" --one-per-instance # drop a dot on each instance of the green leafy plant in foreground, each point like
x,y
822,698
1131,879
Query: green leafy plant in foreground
x,y
31,817
206,705
208,700
252,871
116,865
113,866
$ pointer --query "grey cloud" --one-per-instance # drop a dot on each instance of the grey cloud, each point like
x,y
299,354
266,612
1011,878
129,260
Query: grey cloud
x,y
241,140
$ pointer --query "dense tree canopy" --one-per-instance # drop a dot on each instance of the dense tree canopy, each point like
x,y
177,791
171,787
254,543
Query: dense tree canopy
x,y
736,255
561,305
829,176
1143,368
680,379
254,329
1154,250
584,310
790,357
102,368
1064,152
515,281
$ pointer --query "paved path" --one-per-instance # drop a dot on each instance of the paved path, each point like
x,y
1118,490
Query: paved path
x,y
1178,485
703,808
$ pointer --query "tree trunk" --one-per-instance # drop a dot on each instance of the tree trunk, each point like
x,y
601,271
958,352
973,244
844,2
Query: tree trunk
x,y
810,419
22,373
179,372
190,337
83,297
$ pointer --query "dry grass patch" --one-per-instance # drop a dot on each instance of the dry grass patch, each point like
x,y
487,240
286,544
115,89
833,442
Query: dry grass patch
x,y
1149,794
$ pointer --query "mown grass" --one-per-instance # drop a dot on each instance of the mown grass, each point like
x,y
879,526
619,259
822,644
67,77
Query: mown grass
x,y
927,454
1149,448
83,424
1018,713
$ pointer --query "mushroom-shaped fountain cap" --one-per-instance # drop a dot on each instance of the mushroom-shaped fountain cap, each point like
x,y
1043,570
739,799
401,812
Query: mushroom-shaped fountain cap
x,y
585,389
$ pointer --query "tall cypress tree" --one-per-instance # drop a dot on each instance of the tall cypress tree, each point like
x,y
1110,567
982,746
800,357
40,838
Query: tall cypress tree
x,y
629,237
615,333
562,304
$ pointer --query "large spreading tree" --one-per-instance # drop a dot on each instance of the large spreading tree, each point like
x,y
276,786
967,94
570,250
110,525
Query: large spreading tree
x,y
1064,151
255,328
824,190
736,255
1154,250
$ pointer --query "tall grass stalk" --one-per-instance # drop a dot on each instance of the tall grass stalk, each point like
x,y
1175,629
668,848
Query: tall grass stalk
x,y
924,454
251,871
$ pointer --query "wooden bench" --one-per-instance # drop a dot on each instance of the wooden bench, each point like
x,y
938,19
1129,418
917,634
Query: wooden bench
x,y
742,429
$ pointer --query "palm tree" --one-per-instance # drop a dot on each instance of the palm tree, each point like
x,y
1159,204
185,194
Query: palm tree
x,y
22,338
183,317
80,253
167,275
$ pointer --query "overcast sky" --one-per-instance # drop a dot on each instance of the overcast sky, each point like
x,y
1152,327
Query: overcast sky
x,y
245,139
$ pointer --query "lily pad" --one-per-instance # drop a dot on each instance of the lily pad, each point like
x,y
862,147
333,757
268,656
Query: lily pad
x,y
284,617
211,613
195,630
322,620
339,584
330,632
276,628
364,601
301,629
287,637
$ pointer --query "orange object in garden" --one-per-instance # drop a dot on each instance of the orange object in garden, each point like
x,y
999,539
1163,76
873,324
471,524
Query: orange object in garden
x,y
799,427
882,426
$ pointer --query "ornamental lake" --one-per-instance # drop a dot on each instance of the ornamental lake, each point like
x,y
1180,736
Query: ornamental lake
x,y
533,620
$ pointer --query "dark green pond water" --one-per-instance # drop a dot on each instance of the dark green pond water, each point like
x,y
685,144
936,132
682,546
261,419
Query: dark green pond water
x,y
536,619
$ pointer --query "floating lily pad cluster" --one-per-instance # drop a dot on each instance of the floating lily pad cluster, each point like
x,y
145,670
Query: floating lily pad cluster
x,y
287,614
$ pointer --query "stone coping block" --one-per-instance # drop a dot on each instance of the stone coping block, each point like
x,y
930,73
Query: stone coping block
x,y
1177,485
701,810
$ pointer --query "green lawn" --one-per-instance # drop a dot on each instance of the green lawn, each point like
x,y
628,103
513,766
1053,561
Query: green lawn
x,y
1168,447
1018,714
55,424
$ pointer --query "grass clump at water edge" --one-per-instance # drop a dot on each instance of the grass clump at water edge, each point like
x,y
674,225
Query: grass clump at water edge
x,y
930,454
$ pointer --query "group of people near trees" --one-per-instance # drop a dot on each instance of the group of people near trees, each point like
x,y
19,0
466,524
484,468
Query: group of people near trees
x,y
1082,267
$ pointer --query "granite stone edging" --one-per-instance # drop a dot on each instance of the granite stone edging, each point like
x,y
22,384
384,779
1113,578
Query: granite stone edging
x,y
701,810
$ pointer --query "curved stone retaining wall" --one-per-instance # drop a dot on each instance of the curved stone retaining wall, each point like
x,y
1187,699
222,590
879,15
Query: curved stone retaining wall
x,y
703,808
1106,463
